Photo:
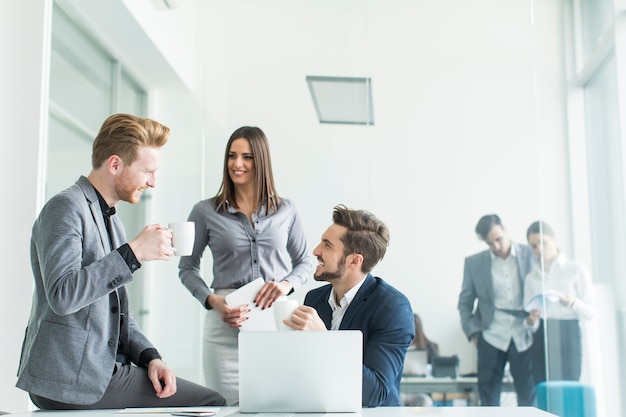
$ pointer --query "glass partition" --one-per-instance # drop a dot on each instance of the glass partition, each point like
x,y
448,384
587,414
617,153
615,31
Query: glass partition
x,y
81,74
86,86
478,110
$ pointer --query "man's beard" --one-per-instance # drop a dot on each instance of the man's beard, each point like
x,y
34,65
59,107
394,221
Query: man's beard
x,y
126,190
331,276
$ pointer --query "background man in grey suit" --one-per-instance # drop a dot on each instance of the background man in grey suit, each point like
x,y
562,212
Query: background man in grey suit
x,y
83,349
494,278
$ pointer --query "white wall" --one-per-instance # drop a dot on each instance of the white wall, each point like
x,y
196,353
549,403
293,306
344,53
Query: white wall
x,y
469,111
468,100
23,107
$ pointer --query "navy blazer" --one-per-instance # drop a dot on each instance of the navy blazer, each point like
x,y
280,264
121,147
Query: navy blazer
x,y
478,286
385,317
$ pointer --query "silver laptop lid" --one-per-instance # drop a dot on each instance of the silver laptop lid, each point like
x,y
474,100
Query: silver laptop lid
x,y
415,363
300,371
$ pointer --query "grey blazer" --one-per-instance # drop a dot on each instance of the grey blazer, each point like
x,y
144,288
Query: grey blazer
x,y
478,286
80,306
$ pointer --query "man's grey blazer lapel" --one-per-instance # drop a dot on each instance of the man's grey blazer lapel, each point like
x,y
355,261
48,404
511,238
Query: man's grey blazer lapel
x,y
488,281
96,211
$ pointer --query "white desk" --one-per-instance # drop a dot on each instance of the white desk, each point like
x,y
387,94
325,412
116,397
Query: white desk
x,y
366,412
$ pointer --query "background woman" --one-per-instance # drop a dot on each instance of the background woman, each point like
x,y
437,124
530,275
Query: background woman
x,y
252,232
421,342
557,345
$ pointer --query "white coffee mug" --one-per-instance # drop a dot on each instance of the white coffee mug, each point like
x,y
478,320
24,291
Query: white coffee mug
x,y
183,237
283,309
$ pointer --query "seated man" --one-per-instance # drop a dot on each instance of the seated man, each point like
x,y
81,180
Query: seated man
x,y
356,300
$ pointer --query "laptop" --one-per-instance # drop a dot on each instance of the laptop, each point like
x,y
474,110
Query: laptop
x,y
415,363
300,371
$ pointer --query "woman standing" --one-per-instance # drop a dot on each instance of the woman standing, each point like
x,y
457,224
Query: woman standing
x,y
560,291
252,232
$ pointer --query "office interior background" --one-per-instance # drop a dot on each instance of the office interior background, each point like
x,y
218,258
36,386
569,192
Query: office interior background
x,y
490,106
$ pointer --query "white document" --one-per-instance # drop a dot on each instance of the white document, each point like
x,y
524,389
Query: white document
x,y
258,319
537,302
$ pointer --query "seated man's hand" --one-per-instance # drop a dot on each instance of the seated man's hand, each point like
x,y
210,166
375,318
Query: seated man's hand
x,y
162,378
305,318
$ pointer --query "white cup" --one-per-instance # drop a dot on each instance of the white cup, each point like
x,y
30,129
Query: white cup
x,y
183,237
283,309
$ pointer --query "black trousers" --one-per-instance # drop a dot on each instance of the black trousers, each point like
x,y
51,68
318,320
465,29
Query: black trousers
x,y
491,363
557,351
131,387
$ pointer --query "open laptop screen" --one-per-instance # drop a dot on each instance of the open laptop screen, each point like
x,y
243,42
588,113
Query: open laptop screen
x,y
415,363
300,371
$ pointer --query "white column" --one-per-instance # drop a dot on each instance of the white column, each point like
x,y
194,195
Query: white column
x,y
25,50
619,283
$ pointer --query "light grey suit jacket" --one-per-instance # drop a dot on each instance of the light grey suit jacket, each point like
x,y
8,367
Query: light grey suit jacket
x,y
79,301
478,286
